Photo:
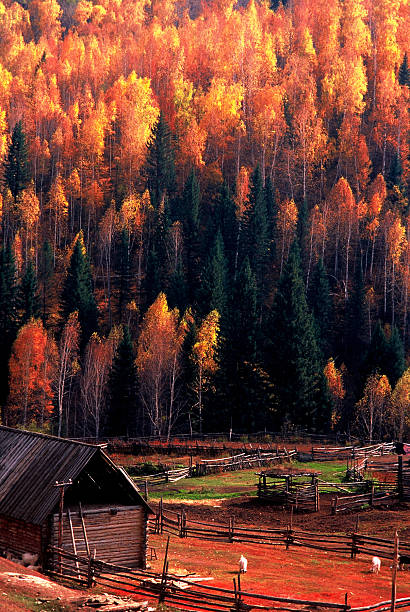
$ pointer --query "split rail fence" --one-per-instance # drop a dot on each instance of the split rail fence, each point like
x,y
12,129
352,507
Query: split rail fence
x,y
186,593
204,467
177,523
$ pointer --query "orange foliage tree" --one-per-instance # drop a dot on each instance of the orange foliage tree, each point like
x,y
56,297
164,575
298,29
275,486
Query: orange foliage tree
x,y
32,375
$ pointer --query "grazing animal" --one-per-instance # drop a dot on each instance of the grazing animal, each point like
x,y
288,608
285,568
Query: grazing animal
x,y
29,559
375,566
243,565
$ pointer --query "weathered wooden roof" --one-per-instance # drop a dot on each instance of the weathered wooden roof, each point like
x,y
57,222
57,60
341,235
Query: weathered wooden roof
x,y
30,465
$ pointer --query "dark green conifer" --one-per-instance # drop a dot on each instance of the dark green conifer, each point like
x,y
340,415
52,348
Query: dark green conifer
x,y
160,163
293,356
225,220
124,272
8,319
377,354
212,294
255,230
78,291
46,274
354,344
395,357
404,72
189,215
320,302
28,301
122,390
177,293
244,397
16,166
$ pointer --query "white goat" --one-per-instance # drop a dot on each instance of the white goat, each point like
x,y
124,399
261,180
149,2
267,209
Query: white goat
x,y
243,565
375,566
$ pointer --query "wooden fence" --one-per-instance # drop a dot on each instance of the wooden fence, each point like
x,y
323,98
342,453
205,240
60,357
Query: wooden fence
x,y
372,498
326,453
205,467
186,593
177,523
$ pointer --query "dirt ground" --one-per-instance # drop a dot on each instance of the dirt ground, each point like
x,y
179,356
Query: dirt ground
x,y
298,572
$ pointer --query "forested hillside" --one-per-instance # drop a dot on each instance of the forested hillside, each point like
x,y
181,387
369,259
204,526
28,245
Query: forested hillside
x,y
204,216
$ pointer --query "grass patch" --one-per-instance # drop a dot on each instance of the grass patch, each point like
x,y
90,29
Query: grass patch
x,y
34,605
229,485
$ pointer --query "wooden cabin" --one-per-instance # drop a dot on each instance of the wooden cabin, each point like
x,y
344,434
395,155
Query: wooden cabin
x,y
102,509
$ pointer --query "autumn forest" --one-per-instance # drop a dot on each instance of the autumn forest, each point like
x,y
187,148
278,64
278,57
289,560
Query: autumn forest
x,y
204,216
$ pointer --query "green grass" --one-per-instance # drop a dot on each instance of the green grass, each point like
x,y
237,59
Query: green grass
x,y
34,605
236,484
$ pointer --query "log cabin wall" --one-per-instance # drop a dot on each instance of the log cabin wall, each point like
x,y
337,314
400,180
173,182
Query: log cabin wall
x,y
18,537
117,533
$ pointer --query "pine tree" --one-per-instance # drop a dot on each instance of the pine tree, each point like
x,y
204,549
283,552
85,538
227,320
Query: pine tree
x,y
395,358
377,355
225,221
155,278
189,215
255,231
45,277
293,357
78,291
160,165
321,305
354,345
16,166
177,293
244,398
212,294
8,326
122,417
404,72
124,272
28,301
272,213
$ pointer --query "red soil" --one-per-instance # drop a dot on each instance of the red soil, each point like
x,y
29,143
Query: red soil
x,y
296,573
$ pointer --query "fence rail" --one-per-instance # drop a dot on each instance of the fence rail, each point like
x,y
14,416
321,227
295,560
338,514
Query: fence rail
x,y
177,523
185,593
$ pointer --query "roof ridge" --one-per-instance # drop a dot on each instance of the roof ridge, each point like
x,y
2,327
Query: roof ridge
x,y
47,436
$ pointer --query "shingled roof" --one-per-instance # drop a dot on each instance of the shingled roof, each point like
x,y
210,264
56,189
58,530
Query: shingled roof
x,y
30,465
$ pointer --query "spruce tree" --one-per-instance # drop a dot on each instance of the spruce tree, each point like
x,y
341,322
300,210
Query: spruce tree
x,y
272,214
377,355
45,277
404,72
320,302
8,319
225,221
16,166
122,390
293,356
78,291
28,301
177,293
395,358
189,215
244,397
354,345
156,270
255,230
124,272
160,165
212,294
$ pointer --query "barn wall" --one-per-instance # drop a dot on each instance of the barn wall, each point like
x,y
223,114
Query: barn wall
x,y
118,538
18,537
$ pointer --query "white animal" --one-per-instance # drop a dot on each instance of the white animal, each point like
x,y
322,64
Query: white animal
x,y
375,566
29,559
243,565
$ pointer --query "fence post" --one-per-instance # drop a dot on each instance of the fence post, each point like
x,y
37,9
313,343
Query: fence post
x,y
394,573
372,494
400,488
334,505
